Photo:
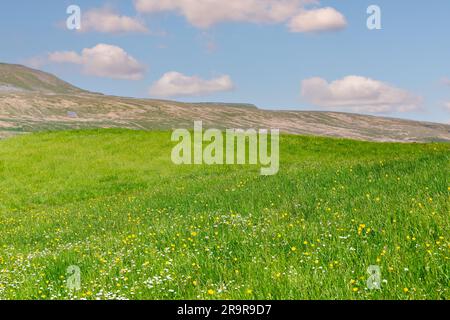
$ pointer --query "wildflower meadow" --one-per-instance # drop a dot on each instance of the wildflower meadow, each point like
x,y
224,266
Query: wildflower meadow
x,y
111,205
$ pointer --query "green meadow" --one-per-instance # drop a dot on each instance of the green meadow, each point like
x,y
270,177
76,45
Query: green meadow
x,y
139,227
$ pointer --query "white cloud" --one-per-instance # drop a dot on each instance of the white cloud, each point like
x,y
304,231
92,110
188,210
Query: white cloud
x,y
206,13
446,81
35,62
359,94
103,60
174,84
65,57
106,20
447,105
318,20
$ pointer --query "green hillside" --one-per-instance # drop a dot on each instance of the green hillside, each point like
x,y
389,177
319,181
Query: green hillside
x,y
112,203
35,101
20,78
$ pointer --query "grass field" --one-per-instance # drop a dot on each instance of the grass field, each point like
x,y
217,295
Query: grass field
x,y
138,227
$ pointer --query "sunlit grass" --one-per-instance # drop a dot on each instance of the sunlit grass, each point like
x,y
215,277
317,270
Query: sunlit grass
x,y
139,227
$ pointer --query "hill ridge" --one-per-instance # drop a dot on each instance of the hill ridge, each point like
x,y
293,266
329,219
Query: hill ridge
x,y
19,78
33,100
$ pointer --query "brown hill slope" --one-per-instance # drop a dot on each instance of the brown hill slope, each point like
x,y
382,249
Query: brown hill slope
x,y
32,101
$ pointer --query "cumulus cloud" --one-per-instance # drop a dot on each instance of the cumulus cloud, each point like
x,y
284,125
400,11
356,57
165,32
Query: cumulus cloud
x,y
35,62
106,20
65,57
173,84
103,60
359,94
205,13
318,20
447,106
446,81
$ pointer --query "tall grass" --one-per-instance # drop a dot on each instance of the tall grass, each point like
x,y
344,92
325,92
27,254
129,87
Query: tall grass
x,y
112,203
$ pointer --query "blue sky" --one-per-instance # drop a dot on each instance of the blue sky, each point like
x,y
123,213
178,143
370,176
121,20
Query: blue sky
x,y
398,71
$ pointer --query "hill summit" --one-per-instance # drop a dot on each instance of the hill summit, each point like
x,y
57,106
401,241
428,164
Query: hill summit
x,y
18,78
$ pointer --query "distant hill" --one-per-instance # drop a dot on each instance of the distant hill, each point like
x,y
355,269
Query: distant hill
x,y
18,78
32,100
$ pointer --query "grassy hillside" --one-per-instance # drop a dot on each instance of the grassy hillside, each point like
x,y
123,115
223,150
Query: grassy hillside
x,y
112,203
34,101
20,78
